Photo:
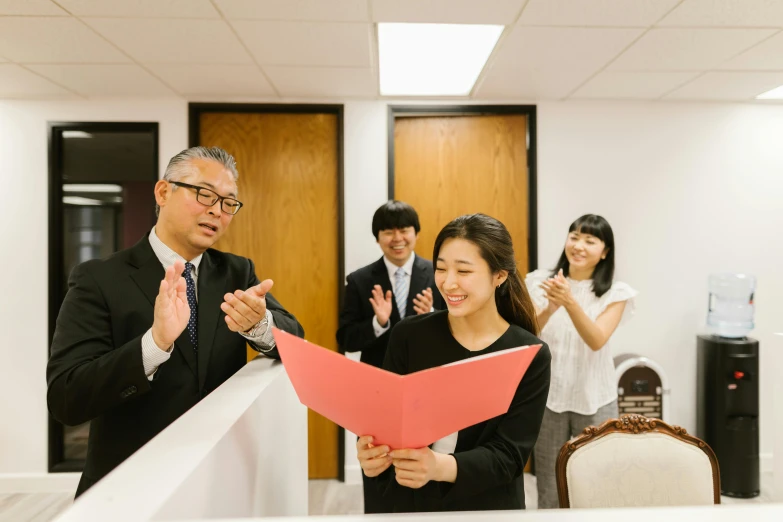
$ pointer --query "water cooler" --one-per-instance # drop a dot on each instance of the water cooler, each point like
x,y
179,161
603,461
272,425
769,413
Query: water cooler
x,y
728,384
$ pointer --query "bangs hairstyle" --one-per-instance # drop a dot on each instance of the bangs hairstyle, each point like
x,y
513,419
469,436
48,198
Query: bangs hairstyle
x,y
597,226
394,214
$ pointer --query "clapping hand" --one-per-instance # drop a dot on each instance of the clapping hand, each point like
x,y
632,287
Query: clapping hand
x,y
558,291
244,309
172,312
381,305
422,303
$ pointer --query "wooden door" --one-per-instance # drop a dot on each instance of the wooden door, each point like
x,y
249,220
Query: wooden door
x,y
288,226
454,165
446,166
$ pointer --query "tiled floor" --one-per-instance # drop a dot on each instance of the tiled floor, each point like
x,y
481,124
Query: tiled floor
x,y
38,507
327,497
331,497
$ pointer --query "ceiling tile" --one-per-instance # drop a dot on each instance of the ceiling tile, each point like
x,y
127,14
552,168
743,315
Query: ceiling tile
x,y
104,80
54,40
307,43
321,81
173,41
142,8
296,10
767,55
30,7
500,12
687,49
17,82
728,86
550,62
605,13
548,48
215,80
725,13
632,85
529,84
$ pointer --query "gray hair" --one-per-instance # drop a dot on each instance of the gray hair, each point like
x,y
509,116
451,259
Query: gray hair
x,y
180,165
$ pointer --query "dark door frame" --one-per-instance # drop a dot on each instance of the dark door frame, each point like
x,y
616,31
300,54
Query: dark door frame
x,y
412,111
57,462
194,113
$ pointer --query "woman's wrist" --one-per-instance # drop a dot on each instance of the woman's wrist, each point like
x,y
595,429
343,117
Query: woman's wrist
x,y
445,467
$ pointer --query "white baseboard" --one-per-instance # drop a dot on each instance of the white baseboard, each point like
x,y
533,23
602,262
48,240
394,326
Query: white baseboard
x,y
38,482
766,463
353,474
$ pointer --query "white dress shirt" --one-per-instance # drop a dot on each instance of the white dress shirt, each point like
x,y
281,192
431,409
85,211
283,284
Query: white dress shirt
x,y
407,268
447,444
152,355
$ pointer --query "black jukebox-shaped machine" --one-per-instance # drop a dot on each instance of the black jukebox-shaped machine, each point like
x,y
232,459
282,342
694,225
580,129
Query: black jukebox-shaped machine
x,y
642,386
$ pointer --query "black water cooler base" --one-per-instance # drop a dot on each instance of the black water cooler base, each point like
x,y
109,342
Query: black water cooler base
x,y
728,410
752,494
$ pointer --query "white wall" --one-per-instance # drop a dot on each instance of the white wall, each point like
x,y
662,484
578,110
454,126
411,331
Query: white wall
x,y
365,179
24,264
689,189
776,368
366,188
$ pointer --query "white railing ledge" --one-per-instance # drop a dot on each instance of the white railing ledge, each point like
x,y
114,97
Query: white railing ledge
x,y
720,513
239,453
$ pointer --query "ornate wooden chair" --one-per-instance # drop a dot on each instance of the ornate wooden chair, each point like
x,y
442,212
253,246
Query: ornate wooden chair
x,y
636,461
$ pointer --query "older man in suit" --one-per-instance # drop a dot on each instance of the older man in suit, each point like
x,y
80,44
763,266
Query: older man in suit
x,y
145,334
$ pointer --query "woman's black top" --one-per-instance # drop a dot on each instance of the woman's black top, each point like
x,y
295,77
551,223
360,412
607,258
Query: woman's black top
x,y
491,455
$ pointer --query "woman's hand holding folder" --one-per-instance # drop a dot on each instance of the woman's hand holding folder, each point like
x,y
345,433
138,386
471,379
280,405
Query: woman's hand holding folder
x,y
374,460
413,468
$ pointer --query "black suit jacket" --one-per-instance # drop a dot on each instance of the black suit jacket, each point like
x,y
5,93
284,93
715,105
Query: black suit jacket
x,y
356,333
95,371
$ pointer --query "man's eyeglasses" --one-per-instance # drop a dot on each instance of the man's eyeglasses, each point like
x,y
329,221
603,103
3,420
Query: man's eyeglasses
x,y
209,197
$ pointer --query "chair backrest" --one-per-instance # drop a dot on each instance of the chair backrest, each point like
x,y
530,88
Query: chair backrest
x,y
636,461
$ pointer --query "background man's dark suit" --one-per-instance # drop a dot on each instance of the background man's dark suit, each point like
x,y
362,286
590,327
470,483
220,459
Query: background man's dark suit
x,y
356,332
96,373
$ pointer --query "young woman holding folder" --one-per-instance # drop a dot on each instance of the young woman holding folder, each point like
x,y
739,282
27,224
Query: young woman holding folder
x,y
489,309
579,306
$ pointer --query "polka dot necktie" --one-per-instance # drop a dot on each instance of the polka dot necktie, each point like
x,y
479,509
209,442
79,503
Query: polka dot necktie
x,y
193,321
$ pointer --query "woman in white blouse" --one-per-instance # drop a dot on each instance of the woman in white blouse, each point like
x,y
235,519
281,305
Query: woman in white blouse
x,y
579,306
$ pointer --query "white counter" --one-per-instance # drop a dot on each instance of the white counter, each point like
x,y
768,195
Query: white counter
x,y
241,452
727,513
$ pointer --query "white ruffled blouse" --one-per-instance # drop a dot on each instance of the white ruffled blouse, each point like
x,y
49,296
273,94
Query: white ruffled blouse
x,y
582,380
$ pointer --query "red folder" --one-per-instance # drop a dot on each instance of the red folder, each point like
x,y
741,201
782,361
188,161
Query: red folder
x,y
410,411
